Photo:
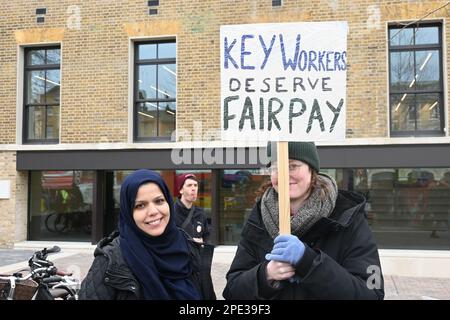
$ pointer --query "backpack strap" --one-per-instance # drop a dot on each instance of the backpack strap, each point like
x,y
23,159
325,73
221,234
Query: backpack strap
x,y
188,218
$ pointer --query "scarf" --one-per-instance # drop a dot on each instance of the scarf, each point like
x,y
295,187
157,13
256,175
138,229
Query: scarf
x,y
161,264
308,214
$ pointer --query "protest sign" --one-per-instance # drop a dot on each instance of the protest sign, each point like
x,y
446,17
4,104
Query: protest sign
x,y
284,81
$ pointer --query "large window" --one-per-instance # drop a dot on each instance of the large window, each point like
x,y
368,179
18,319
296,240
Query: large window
x,y
237,193
408,208
416,88
42,90
60,206
155,90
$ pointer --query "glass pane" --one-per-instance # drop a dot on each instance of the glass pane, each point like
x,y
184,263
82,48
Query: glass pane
x,y
381,195
61,205
428,71
427,35
36,87
402,71
428,112
166,50
409,207
36,123
147,51
36,57
112,215
167,116
401,37
402,112
146,82
147,120
237,195
52,86
167,81
360,182
53,56
53,122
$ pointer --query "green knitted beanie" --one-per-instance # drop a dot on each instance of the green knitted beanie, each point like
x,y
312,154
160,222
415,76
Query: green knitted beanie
x,y
303,151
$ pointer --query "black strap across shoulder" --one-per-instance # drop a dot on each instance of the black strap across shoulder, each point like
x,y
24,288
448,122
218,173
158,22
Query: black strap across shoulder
x,y
188,218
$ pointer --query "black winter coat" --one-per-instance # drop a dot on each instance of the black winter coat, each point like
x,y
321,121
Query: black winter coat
x,y
198,227
339,260
109,277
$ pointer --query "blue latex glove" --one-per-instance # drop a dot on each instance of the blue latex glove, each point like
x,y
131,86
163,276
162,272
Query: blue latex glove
x,y
287,248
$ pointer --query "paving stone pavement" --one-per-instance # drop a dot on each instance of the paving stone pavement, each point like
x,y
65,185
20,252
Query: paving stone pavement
x,y
13,256
396,287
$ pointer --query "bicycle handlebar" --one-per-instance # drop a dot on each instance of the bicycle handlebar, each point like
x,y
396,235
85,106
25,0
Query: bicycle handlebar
x,y
52,279
42,254
20,278
44,272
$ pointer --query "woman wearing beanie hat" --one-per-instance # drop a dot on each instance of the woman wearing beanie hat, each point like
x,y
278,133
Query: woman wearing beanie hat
x,y
149,257
331,253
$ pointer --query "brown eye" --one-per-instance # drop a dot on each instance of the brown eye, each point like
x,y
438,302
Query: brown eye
x,y
139,206
160,201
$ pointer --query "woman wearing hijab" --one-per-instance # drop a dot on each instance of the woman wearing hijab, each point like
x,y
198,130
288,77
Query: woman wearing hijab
x,y
149,257
331,253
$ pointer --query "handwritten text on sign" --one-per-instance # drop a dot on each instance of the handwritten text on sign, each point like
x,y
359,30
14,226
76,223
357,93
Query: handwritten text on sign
x,y
284,81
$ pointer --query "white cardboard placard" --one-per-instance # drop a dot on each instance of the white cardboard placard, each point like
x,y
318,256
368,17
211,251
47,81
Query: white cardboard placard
x,y
284,81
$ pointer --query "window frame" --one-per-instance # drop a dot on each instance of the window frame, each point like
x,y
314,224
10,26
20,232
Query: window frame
x,y
414,49
136,101
26,105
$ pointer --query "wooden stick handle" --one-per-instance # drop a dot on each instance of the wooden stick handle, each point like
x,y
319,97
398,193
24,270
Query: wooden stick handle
x,y
283,187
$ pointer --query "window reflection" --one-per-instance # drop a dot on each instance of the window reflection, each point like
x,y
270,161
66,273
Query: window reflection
x,y
147,51
42,88
36,87
61,205
156,87
408,208
238,191
166,50
402,37
428,71
416,87
167,81
427,35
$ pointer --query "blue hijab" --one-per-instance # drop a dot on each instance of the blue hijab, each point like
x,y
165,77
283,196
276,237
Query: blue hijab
x,y
161,264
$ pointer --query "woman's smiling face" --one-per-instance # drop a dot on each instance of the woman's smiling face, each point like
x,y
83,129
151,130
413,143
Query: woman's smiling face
x,y
299,180
151,212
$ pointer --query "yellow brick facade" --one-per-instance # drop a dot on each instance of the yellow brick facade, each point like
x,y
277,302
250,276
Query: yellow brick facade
x,y
95,37
13,226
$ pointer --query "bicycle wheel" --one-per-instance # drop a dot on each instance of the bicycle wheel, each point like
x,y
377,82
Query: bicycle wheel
x,y
50,222
61,222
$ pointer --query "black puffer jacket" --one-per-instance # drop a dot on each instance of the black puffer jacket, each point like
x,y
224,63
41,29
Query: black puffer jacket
x,y
340,261
109,277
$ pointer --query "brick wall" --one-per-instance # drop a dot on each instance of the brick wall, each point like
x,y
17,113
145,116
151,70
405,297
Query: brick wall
x,y
95,56
8,206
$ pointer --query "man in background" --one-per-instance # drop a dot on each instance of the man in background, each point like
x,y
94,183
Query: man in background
x,y
189,217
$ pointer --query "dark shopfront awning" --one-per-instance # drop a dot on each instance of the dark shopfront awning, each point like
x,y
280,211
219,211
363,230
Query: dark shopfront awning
x,y
378,156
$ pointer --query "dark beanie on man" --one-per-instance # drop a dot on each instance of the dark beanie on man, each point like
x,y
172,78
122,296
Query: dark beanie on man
x,y
181,179
302,151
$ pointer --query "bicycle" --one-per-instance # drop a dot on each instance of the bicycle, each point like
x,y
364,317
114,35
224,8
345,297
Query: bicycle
x,y
44,281
68,221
